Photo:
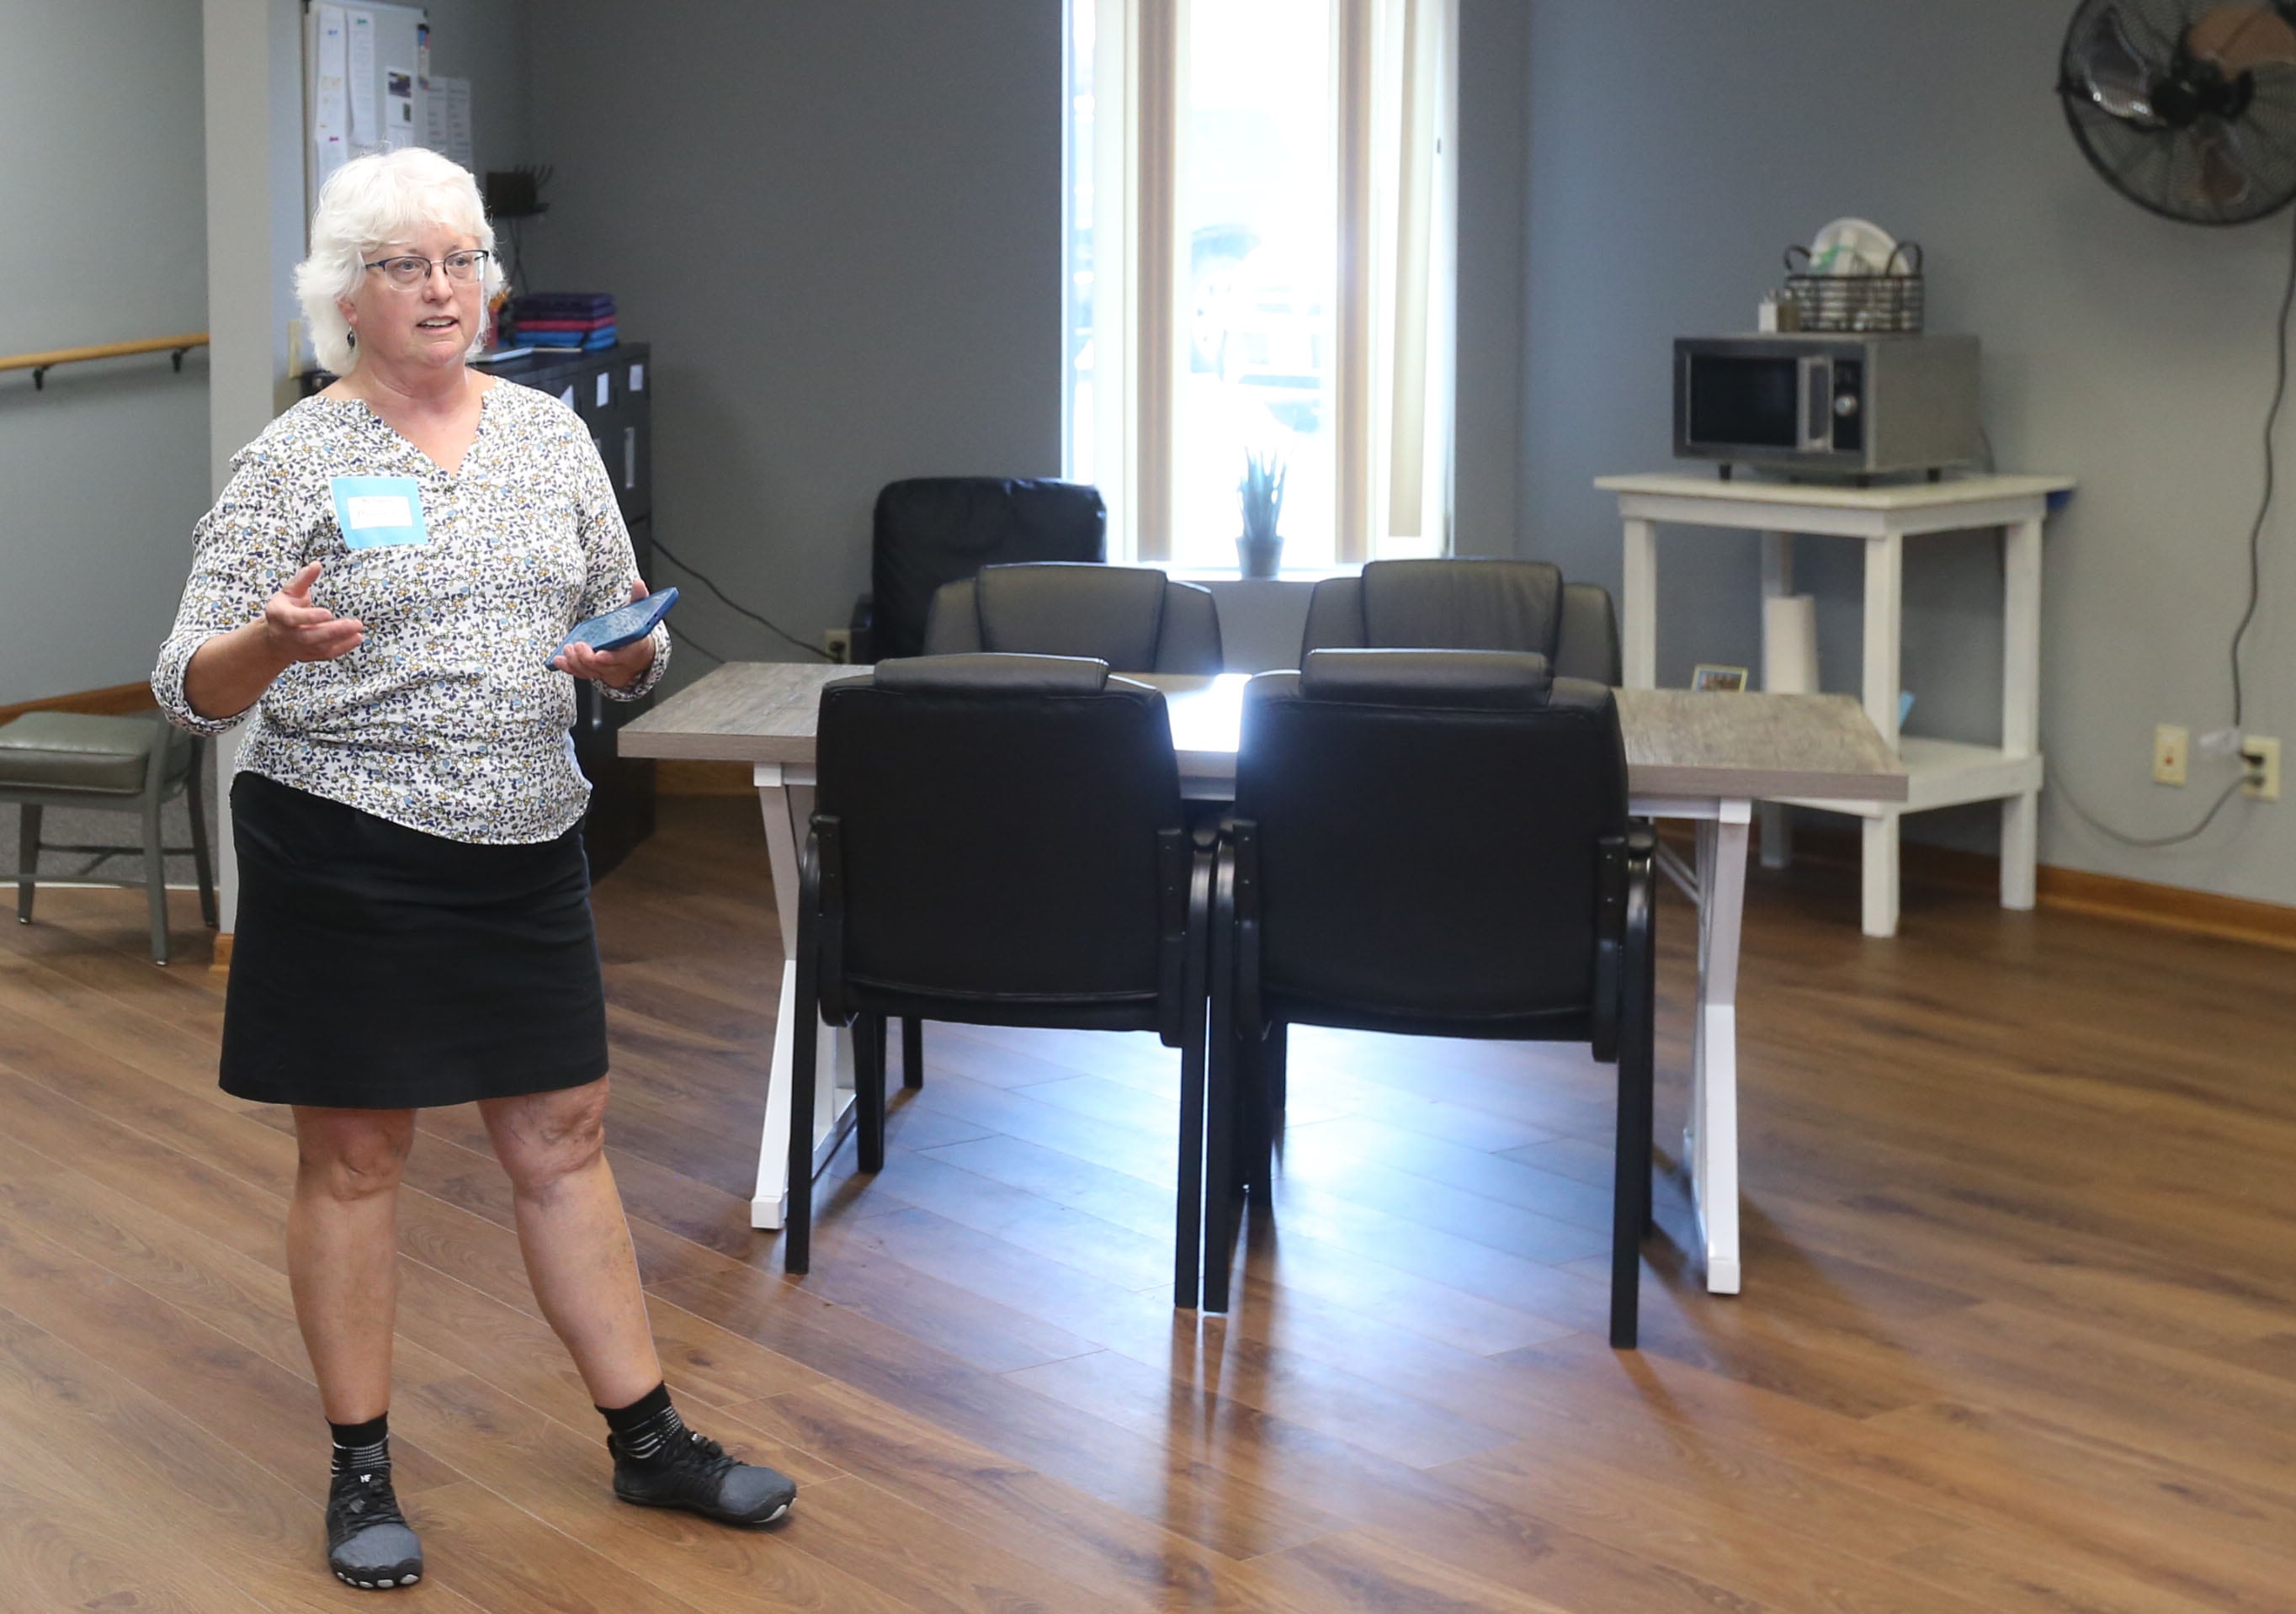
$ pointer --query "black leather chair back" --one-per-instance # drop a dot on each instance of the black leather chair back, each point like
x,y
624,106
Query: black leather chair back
x,y
931,530
1131,617
1469,604
1007,828
1430,829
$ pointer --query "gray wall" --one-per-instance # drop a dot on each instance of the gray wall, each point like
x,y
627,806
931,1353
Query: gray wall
x,y
839,227
1675,148
484,42
1486,480
103,473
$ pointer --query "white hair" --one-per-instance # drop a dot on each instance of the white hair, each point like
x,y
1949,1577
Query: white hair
x,y
388,196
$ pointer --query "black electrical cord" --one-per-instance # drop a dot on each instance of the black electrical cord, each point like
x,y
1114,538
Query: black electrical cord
x,y
699,577
2256,530
2057,785
679,636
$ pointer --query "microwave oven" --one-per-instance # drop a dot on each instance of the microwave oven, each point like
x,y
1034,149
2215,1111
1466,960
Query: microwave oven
x,y
1828,404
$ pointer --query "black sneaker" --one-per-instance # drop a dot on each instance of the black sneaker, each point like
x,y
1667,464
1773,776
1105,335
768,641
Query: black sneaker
x,y
693,1471
369,1544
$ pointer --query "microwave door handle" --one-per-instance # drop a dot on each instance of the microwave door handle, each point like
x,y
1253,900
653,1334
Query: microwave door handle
x,y
1816,404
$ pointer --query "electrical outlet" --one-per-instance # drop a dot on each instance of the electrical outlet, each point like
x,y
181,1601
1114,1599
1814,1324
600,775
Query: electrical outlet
x,y
837,644
2171,745
2262,756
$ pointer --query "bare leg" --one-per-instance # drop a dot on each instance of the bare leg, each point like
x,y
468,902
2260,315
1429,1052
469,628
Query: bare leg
x,y
342,1251
574,1236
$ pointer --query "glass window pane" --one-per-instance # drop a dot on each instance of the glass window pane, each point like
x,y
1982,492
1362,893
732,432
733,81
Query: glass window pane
x,y
1258,230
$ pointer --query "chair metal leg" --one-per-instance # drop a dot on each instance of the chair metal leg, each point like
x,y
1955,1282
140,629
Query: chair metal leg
x,y
27,859
194,798
1256,1119
869,1089
913,1053
155,879
1219,1098
805,1047
1637,1057
1278,1060
1188,1208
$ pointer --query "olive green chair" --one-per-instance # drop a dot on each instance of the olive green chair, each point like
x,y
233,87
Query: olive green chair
x,y
118,764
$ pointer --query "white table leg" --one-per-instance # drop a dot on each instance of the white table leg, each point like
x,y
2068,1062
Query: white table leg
x,y
1885,569
2020,704
1639,610
1878,877
1777,583
1712,1138
786,797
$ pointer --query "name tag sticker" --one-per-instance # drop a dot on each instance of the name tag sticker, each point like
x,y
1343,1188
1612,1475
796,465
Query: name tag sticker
x,y
376,511
379,510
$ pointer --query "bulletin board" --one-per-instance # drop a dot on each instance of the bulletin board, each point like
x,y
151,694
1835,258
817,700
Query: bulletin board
x,y
368,88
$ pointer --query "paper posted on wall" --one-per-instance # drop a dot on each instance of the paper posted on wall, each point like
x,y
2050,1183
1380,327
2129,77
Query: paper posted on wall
x,y
397,107
330,94
365,132
446,119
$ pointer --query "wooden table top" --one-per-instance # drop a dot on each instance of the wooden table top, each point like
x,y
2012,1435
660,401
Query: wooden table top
x,y
1679,743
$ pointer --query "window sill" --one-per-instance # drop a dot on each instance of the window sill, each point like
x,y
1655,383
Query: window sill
x,y
1294,575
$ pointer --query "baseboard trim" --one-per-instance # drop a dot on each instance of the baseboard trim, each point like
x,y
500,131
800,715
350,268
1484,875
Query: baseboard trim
x,y
119,700
2074,890
222,964
685,776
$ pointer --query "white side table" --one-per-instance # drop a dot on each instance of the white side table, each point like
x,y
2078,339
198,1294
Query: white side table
x,y
1939,773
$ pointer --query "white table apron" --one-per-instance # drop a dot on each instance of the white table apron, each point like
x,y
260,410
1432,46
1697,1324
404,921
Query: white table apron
x,y
1709,1141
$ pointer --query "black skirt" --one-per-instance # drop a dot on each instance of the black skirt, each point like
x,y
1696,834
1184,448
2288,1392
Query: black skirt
x,y
376,967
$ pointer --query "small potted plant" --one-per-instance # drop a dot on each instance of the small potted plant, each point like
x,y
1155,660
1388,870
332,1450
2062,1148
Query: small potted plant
x,y
1260,549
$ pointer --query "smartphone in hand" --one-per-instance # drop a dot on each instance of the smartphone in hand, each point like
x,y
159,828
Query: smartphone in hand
x,y
625,625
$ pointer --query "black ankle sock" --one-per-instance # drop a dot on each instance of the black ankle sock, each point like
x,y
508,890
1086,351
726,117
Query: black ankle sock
x,y
645,1425
362,1446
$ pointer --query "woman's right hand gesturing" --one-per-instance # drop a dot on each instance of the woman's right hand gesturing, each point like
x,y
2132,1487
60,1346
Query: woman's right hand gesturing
x,y
230,671
299,631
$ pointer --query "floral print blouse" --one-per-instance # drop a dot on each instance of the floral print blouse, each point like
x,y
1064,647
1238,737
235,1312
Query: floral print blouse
x,y
446,718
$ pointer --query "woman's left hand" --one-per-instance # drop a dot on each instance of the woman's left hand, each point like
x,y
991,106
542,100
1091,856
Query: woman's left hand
x,y
619,668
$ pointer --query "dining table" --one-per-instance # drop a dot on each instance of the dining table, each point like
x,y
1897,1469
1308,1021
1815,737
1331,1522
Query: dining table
x,y
1702,756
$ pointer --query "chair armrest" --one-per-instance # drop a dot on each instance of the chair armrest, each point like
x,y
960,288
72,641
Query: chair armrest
x,y
1173,860
1244,843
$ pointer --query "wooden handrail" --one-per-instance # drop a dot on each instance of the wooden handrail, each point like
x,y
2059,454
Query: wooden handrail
x,y
40,364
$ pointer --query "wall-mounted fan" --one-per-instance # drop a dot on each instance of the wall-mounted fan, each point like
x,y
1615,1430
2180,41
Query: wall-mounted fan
x,y
2186,107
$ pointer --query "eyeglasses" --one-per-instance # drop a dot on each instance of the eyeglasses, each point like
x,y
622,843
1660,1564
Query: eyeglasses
x,y
463,268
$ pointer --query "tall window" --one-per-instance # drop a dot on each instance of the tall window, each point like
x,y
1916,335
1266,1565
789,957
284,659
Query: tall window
x,y
1260,233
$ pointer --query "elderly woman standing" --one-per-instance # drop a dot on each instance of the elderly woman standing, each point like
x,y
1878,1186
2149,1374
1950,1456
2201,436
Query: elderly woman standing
x,y
383,590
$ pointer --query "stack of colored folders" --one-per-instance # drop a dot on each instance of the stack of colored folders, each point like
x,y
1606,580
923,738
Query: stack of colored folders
x,y
566,319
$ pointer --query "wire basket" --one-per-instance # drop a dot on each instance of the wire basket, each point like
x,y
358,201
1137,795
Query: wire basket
x,y
1887,303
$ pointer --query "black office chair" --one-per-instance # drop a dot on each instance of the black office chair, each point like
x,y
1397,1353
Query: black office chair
x,y
997,841
1433,843
1517,605
1131,617
931,530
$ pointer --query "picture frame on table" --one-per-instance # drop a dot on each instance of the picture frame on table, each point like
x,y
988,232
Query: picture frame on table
x,y
1706,676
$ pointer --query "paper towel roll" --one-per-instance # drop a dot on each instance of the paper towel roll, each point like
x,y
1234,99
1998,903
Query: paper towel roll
x,y
1790,643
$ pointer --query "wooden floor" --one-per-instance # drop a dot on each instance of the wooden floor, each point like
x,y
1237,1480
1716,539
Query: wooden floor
x,y
2019,1330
